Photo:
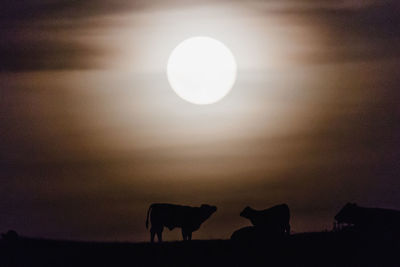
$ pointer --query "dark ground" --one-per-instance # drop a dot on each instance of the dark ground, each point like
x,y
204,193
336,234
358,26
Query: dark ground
x,y
307,249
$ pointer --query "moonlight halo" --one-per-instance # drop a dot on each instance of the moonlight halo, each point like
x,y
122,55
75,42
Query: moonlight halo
x,y
201,70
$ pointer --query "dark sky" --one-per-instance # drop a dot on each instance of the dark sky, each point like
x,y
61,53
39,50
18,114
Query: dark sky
x,y
91,133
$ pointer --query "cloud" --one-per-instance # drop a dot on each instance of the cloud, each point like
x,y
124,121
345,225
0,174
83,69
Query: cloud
x,y
347,31
46,55
51,35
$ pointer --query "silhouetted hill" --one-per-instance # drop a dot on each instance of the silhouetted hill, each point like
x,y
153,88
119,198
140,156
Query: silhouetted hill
x,y
306,249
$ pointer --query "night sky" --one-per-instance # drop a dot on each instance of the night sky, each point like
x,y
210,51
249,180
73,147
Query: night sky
x,y
91,133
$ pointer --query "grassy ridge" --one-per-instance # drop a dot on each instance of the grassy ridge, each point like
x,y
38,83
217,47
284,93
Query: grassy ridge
x,y
307,249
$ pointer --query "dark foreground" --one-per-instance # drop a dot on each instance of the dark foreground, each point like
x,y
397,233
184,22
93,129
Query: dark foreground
x,y
308,249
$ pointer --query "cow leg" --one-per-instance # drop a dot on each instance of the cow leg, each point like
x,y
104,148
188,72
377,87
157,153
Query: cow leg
x,y
159,236
152,234
187,235
156,230
184,234
288,229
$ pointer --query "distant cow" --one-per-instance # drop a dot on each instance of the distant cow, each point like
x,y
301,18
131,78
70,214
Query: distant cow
x,y
371,219
177,216
10,236
275,218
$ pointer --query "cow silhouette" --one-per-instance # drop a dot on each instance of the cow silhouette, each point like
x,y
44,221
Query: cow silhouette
x,y
189,219
257,234
10,236
248,233
275,219
368,219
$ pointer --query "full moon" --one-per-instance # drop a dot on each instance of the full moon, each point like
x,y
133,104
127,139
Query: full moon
x,y
201,70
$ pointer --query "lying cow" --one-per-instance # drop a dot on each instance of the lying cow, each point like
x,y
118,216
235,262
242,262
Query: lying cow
x,y
248,233
189,219
275,218
368,219
257,234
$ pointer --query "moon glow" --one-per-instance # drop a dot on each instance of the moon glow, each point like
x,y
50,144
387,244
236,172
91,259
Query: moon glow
x,y
201,70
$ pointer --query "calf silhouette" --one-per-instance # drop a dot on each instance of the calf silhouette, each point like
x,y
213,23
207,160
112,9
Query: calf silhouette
x,y
275,218
189,219
369,219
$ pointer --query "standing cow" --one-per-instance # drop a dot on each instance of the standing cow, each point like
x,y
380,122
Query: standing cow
x,y
275,218
189,219
369,219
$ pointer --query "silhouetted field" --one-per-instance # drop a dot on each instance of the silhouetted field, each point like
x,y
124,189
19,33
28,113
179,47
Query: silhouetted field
x,y
307,249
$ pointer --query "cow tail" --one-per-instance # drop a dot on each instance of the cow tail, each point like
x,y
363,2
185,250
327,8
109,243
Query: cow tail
x,y
147,218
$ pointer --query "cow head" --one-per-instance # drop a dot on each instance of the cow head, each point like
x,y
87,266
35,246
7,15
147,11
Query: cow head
x,y
347,213
246,213
208,210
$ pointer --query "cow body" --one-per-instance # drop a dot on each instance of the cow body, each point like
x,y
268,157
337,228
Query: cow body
x,y
275,218
369,219
189,219
245,234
